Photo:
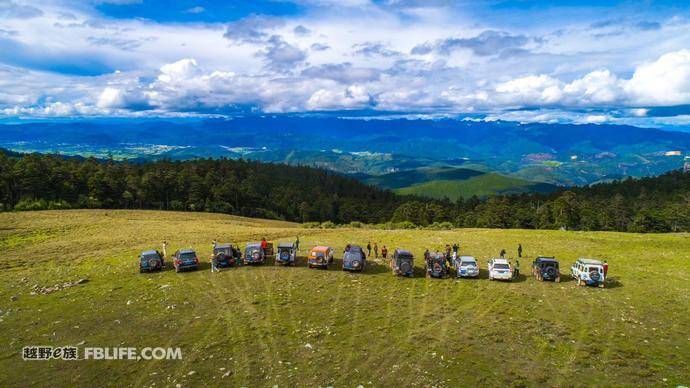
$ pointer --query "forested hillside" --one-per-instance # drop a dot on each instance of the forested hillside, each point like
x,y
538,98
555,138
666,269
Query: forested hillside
x,y
304,194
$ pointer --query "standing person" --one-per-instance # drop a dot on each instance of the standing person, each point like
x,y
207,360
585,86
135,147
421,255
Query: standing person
x,y
448,250
376,250
517,268
297,244
519,250
502,254
215,244
606,269
264,246
214,264
369,249
165,248
384,252
456,247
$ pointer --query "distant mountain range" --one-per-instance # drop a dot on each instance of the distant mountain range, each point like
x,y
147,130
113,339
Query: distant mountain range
x,y
446,157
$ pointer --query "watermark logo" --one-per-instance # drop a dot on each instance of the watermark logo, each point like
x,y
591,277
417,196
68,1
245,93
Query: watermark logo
x,y
43,353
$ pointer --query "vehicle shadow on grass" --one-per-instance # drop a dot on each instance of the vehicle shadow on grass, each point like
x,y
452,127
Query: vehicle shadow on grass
x,y
613,283
371,268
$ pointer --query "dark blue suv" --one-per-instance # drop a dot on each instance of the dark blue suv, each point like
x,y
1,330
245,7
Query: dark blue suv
x,y
546,268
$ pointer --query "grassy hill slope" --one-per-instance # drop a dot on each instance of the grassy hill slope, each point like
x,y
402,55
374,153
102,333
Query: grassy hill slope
x,y
250,326
481,185
405,178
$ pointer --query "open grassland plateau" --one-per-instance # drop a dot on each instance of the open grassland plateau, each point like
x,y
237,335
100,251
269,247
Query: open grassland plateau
x,y
292,326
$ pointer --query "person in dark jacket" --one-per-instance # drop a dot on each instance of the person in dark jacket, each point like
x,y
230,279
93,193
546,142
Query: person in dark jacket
x,y
502,254
519,250
369,248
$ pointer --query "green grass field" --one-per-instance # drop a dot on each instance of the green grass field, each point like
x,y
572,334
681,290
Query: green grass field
x,y
250,326
481,186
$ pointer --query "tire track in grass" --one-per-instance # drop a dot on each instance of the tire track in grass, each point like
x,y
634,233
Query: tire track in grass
x,y
272,318
354,328
214,306
340,300
577,350
253,311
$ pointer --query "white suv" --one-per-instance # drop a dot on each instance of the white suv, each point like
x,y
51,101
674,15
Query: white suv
x,y
500,269
466,267
589,271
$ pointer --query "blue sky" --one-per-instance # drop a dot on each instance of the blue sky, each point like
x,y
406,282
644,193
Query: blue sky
x,y
625,62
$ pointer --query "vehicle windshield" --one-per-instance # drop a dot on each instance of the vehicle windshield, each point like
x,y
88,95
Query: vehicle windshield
x,y
187,255
501,266
227,251
150,256
593,269
468,264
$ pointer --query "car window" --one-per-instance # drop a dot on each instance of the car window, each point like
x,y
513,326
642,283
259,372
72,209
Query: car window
x,y
467,263
593,269
501,266
187,255
150,256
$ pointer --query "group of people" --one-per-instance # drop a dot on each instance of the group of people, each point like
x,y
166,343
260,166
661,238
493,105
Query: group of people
x,y
451,253
375,248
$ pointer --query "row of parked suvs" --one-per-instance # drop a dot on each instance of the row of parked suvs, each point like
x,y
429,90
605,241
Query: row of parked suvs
x,y
437,264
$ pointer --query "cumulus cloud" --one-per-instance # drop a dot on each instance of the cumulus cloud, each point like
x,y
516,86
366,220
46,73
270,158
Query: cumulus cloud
x,y
319,47
531,90
665,81
9,9
301,30
342,72
280,55
254,29
369,49
487,43
352,97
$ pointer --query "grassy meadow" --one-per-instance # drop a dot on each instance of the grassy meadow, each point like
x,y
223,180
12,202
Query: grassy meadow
x,y
266,325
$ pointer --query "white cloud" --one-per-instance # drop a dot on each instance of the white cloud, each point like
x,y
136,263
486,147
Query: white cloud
x,y
359,57
531,90
665,81
349,98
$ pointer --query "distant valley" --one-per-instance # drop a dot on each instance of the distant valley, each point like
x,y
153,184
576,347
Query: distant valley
x,y
438,158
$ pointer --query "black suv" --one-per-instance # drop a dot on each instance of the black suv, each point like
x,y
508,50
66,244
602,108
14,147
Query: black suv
x,y
546,268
